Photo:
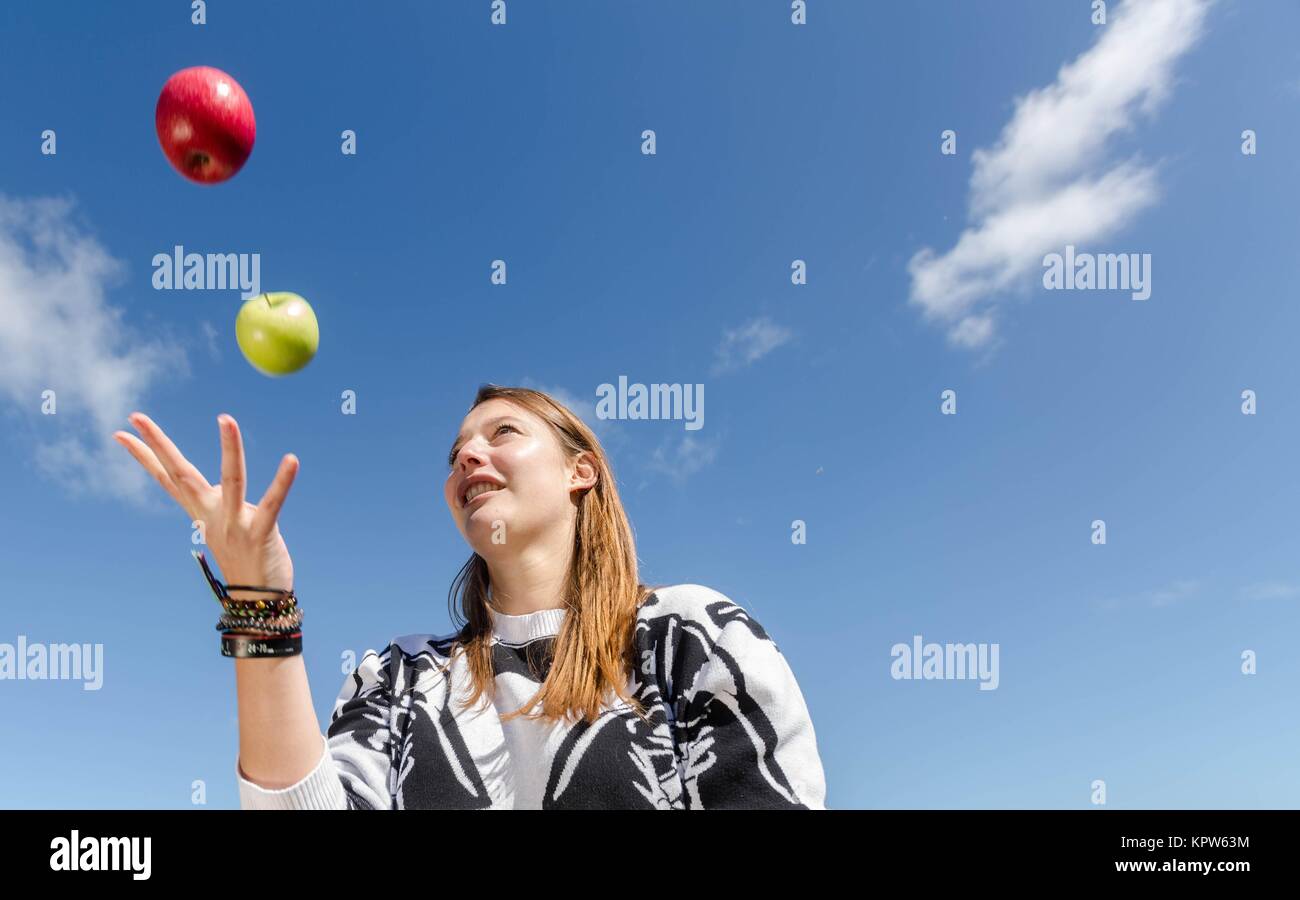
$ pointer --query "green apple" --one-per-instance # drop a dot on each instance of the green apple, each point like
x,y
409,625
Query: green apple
x,y
277,332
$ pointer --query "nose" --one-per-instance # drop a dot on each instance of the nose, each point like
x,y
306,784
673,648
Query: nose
x,y
467,460
468,456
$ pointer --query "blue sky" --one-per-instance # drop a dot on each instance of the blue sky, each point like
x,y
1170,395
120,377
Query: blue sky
x,y
775,142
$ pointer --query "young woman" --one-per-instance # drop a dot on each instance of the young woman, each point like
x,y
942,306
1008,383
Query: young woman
x,y
570,684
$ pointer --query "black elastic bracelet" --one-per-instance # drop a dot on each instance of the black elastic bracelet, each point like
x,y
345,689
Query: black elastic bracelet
x,y
248,646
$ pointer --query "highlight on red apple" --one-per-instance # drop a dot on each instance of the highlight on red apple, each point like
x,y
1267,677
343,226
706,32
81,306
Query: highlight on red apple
x,y
205,124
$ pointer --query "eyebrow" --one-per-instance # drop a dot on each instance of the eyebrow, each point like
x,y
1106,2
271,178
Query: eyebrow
x,y
460,439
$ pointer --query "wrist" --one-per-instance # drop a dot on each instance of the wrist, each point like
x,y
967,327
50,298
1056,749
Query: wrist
x,y
254,595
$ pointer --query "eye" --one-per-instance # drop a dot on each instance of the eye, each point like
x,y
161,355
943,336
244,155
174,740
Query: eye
x,y
451,457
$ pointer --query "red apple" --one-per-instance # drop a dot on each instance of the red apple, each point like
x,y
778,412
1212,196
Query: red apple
x,y
205,124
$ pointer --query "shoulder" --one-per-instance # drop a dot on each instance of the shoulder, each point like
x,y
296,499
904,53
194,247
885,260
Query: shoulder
x,y
381,673
700,607
415,645
408,653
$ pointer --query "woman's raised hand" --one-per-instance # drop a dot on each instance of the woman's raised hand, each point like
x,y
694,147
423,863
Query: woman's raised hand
x,y
244,538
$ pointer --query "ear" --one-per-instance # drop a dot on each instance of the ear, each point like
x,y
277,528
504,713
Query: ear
x,y
582,473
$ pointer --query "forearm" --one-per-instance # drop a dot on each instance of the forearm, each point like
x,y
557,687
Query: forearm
x,y
279,737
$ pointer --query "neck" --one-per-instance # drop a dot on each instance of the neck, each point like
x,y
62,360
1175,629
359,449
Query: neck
x,y
531,579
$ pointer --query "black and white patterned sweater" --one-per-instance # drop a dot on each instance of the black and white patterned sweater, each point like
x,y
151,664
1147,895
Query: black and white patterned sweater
x,y
728,726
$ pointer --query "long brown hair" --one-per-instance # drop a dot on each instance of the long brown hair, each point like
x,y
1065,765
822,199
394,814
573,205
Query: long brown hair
x,y
593,653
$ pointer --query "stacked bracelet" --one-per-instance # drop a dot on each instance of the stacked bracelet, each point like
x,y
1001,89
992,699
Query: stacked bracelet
x,y
255,628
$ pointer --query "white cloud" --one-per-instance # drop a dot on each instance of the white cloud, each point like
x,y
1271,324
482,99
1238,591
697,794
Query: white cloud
x,y
747,344
59,332
1039,187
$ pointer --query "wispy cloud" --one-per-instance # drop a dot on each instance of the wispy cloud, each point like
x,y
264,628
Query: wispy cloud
x,y
210,337
678,458
59,332
1269,590
747,344
1040,186
1183,589
1173,593
584,408
683,457
1159,597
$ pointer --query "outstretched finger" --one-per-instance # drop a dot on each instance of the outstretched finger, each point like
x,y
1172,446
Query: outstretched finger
x,y
268,508
188,480
233,474
149,461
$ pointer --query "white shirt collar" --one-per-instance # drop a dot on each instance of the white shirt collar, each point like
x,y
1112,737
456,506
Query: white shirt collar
x,y
527,627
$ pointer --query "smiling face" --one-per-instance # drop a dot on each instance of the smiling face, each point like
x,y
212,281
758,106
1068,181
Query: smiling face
x,y
511,465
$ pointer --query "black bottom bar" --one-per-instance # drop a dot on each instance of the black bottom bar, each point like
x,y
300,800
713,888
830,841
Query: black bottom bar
x,y
186,847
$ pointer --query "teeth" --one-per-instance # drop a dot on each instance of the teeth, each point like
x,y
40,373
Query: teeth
x,y
480,488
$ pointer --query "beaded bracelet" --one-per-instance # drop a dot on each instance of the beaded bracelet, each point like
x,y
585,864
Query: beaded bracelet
x,y
278,631
246,618
257,615
256,605
290,628
225,623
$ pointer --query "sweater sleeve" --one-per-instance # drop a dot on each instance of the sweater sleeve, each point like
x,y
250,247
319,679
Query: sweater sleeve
x,y
355,764
750,739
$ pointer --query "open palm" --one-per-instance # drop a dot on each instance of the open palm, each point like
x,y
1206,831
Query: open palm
x,y
244,537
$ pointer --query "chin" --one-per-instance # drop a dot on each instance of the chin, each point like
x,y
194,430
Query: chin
x,y
480,524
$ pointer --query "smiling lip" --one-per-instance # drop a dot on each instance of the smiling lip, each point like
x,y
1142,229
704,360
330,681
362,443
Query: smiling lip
x,y
477,496
471,481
